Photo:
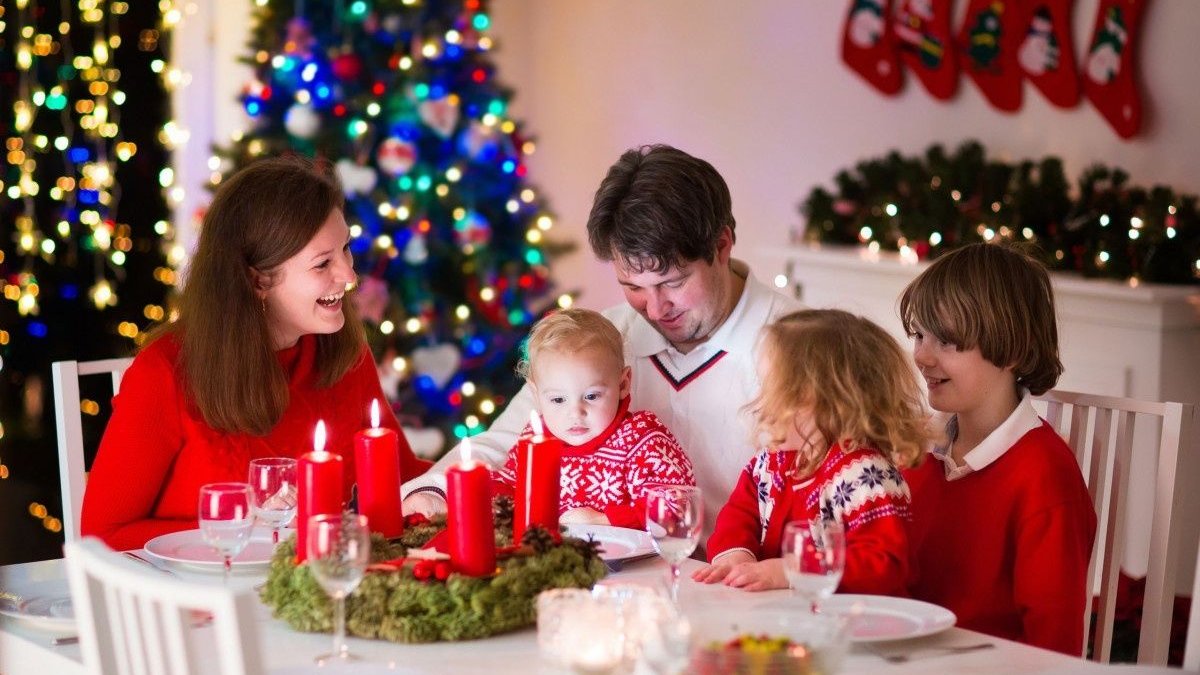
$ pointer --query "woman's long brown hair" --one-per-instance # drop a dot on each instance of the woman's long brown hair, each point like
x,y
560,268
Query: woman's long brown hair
x,y
259,218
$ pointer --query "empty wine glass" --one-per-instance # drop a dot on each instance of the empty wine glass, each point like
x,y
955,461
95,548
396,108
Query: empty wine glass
x,y
339,547
674,518
814,555
226,519
273,485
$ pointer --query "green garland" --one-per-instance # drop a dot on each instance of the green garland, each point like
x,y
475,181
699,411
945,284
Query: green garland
x,y
395,605
939,201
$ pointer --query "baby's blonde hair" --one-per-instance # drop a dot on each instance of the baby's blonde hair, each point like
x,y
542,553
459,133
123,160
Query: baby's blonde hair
x,y
851,376
571,330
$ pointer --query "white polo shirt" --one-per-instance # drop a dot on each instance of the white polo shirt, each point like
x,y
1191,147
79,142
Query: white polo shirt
x,y
698,395
1023,419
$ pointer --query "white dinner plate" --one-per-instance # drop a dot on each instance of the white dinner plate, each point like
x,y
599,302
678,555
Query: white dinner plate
x,y
45,604
616,543
355,668
187,550
881,618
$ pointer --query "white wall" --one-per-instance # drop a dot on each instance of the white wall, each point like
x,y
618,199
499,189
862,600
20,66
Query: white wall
x,y
758,88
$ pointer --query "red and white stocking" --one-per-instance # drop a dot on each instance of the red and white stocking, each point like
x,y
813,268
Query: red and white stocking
x,y
1110,79
988,42
922,29
868,45
1047,55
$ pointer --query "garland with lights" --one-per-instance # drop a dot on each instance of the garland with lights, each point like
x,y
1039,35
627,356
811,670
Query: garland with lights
x,y
449,239
84,272
411,599
923,206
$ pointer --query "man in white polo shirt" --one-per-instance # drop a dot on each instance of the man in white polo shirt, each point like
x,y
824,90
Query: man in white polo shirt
x,y
691,319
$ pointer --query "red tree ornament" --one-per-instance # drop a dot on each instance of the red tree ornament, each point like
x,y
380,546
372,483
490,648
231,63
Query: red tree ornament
x,y
1047,54
347,67
988,40
1110,79
922,29
868,45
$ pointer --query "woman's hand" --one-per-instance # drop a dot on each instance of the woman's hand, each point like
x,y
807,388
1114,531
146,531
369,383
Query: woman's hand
x,y
425,503
583,515
764,575
721,568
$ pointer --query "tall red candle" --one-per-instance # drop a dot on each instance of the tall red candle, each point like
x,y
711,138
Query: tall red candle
x,y
320,487
469,525
377,472
537,482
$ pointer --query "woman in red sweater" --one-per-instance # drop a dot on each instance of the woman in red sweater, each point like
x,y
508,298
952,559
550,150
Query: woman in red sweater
x,y
840,409
264,346
1002,522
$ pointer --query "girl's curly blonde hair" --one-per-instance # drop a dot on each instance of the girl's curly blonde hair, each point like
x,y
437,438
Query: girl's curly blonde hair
x,y
841,376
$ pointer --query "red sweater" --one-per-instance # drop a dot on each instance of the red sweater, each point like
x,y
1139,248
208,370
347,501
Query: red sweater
x,y
610,472
861,489
1006,548
157,451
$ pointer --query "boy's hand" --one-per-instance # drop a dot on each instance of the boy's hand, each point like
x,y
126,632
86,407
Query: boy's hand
x,y
720,569
583,515
765,575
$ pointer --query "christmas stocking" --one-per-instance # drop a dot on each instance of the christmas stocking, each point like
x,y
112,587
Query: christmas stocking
x,y
1047,56
989,38
868,47
922,29
1109,78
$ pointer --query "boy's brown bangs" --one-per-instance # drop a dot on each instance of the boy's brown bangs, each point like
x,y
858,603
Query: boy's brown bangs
x,y
944,318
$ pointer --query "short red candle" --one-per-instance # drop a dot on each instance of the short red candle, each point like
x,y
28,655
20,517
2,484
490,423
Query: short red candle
x,y
537,482
319,488
469,525
377,472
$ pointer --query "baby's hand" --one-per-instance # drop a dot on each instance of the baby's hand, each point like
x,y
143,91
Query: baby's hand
x,y
758,576
720,569
584,515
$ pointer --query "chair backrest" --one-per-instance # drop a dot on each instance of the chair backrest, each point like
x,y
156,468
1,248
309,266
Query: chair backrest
x,y
1100,431
1191,649
68,414
135,621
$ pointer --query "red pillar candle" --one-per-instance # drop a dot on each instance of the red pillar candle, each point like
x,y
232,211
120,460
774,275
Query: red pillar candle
x,y
469,525
377,472
320,488
537,482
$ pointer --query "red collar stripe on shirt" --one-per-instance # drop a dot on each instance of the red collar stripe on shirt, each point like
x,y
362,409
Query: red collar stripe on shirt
x,y
686,379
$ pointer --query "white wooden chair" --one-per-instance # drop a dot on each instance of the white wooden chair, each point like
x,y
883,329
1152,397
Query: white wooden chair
x,y
67,412
135,621
1191,649
1100,431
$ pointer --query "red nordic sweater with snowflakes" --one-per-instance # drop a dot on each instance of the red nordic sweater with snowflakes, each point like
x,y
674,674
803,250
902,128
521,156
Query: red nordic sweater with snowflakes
x,y
1006,548
610,472
860,489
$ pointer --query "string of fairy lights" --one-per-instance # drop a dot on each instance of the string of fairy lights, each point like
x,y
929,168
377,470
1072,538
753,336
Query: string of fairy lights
x,y
87,97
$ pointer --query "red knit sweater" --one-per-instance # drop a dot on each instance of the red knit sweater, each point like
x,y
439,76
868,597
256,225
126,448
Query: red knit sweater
x,y
861,489
1006,547
157,451
610,472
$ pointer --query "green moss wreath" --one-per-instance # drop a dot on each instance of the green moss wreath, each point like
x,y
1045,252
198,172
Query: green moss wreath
x,y
421,600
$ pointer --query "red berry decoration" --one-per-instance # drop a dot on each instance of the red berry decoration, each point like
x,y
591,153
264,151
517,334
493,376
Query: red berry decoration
x,y
415,520
423,570
441,570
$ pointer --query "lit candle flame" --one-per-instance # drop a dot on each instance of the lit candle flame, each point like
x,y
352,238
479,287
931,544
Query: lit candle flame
x,y
374,413
535,421
319,437
465,451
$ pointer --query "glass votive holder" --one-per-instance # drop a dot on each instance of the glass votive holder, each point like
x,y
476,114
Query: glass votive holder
x,y
581,631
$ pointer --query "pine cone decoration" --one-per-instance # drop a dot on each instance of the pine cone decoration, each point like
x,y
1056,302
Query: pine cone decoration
x,y
537,538
502,512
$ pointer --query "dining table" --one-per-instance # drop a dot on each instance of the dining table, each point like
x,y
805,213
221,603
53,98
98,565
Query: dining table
x,y
27,648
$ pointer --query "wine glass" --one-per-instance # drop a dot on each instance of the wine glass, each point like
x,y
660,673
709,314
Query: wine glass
x,y
814,556
339,547
273,485
226,519
674,518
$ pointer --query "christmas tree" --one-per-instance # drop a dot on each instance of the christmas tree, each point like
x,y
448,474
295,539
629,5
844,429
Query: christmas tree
x,y
84,221
401,97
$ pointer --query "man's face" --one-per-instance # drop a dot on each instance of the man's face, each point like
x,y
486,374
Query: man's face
x,y
687,303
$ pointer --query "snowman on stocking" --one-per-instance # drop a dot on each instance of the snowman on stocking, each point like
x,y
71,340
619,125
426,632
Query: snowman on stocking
x,y
1109,78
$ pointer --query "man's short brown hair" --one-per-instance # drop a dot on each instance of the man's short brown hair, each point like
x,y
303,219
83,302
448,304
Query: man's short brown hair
x,y
659,208
994,297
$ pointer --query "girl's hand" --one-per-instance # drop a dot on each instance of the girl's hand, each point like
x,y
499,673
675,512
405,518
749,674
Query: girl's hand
x,y
765,575
720,569
584,515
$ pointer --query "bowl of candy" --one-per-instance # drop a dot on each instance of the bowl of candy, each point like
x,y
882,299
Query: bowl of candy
x,y
768,641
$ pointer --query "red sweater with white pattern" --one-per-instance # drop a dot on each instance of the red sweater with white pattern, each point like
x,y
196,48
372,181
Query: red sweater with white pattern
x,y
859,488
610,472
1006,548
